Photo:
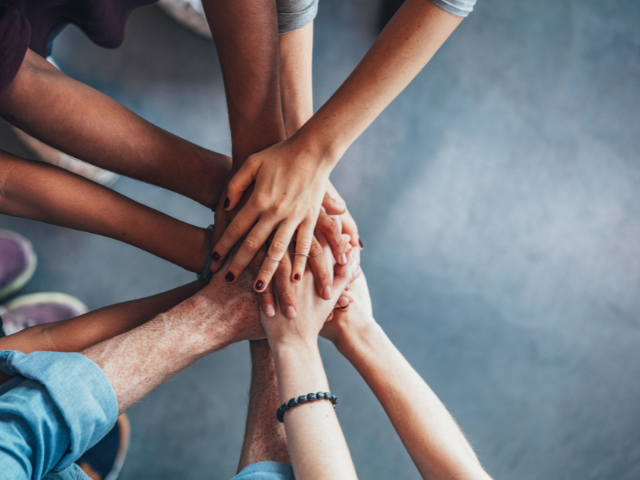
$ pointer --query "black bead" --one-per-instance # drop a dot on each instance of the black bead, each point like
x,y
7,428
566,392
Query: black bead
x,y
327,395
302,399
284,407
334,399
293,402
311,397
280,416
320,395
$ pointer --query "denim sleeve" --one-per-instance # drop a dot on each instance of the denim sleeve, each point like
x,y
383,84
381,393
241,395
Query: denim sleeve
x,y
461,8
56,407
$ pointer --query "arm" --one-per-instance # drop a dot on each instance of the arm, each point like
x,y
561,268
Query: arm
x,y
427,430
109,377
49,194
316,443
246,36
83,122
291,177
139,360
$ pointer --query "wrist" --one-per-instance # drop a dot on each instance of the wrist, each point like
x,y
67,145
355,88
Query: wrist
x,y
356,338
318,146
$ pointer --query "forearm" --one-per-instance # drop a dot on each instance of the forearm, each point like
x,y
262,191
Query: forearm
x,y
246,37
83,122
403,48
139,360
296,58
316,443
429,433
80,333
49,194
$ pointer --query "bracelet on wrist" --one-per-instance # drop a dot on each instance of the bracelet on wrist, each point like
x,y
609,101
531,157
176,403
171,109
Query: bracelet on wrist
x,y
310,397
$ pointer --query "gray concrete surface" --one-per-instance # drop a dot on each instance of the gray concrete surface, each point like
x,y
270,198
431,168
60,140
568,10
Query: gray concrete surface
x,y
498,202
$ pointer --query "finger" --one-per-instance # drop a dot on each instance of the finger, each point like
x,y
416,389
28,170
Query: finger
x,y
342,275
331,226
275,254
244,177
284,288
253,241
238,227
349,227
332,205
220,223
320,268
303,246
266,298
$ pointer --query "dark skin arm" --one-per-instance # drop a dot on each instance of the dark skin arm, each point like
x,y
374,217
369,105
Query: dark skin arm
x,y
50,194
80,333
88,125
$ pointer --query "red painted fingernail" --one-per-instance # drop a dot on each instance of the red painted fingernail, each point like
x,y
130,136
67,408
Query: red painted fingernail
x,y
215,257
226,202
296,276
259,284
360,242
229,277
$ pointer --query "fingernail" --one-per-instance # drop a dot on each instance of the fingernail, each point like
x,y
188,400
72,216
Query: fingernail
x,y
290,312
215,257
343,301
296,277
229,277
360,242
226,202
269,311
259,285
326,293
343,259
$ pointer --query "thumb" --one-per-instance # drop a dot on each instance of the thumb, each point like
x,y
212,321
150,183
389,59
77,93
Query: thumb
x,y
332,206
343,275
242,179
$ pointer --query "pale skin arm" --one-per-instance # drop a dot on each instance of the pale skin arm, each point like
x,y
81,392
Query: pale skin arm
x,y
431,436
317,446
291,177
80,333
138,361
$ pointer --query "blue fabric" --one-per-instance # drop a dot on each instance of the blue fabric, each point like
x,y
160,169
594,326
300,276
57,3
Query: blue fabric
x,y
266,471
72,472
461,8
56,407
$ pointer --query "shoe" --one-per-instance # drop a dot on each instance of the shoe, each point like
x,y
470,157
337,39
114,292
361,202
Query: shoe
x,y
38,308
18,262
50,155
188,13
104,460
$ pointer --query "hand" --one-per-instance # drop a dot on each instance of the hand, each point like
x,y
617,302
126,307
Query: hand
x,y
287,196
238,298
345,324
287,272
313,310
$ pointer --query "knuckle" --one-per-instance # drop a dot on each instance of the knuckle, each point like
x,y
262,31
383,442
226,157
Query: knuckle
x,y
236,266
333,226
260,202
316,249
251,243
266,273
279,246
234,232
303,246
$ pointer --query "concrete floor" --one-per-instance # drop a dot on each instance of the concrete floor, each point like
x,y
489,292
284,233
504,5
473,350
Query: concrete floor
x,y
498,201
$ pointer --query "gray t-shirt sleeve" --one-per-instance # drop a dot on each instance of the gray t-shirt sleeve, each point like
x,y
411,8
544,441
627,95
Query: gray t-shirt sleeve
x,y
461,8
295,14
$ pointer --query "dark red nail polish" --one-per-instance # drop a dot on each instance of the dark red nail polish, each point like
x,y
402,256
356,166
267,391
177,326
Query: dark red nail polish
x,y
226,202
296,276
360,242
260,285
215,257
229,277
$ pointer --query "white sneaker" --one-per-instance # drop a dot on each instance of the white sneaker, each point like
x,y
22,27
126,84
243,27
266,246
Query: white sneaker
x,y
188,13
50,155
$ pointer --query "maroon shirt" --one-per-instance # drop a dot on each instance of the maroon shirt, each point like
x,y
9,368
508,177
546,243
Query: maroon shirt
x,y
33,23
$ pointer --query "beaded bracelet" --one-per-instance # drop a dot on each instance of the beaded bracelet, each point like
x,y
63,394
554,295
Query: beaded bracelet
x,y
310,397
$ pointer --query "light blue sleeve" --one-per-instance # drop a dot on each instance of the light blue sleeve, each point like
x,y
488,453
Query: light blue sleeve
x,y
58,406
461,8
